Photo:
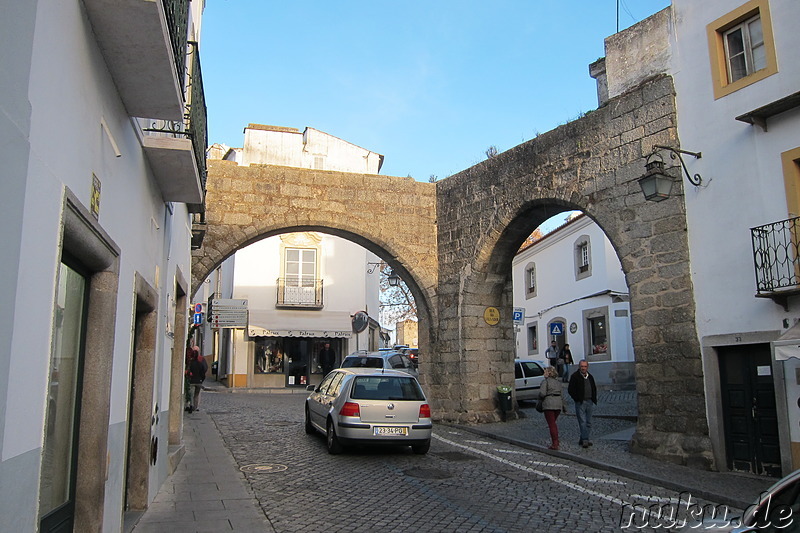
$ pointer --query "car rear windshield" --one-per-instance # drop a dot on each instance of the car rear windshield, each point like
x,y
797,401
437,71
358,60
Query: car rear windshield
x,y
362,362
386,388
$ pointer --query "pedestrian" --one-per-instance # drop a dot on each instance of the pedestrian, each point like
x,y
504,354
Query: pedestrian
x,y
552,403
327,359
197,374
551,353
583,391
566,356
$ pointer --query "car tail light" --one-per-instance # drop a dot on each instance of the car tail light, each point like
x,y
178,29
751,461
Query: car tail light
x,y
424,411
350,409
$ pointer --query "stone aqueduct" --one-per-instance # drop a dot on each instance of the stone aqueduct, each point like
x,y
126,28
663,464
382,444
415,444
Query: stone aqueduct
x,y
453,241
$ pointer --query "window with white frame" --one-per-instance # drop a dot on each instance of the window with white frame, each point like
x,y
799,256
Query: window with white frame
x,y
583,257
530,280
300,275
744,49
741,47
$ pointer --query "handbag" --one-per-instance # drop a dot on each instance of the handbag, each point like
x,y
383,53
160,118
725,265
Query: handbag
x,y
540,406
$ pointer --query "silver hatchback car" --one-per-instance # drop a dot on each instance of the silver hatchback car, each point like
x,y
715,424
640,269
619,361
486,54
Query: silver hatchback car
x,y
354,406
381,359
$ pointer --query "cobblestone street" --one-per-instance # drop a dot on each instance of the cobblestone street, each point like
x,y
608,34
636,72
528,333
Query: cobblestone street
x,y
465,483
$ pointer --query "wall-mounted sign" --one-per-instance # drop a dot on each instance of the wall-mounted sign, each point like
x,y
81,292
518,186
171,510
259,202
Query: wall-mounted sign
x,y
519,315
491,315
573,327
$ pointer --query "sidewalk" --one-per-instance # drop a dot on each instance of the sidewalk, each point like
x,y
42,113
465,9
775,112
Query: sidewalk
x,y
207,493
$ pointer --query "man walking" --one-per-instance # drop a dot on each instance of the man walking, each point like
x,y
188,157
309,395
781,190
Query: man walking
x,y
551,353
583,392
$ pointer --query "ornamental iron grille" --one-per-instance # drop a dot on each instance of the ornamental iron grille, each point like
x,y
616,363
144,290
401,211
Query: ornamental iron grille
x,y
775,255
300,291
177,14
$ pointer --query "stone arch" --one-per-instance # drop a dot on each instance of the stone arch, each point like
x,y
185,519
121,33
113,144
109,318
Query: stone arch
x,y
593,165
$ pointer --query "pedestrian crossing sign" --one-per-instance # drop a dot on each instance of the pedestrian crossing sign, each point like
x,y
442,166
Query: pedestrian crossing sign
x,y
557,328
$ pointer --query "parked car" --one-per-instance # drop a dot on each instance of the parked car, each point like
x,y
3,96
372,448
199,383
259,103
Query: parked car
x,y
413,354
380,359
368,406
776,509
528,377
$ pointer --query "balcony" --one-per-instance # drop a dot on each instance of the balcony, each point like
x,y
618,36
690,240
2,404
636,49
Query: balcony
x,y
176,149
294,293
776,259
143,43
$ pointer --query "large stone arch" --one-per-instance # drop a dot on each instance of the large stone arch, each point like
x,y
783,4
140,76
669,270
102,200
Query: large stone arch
x,y
591,164
390,216
453,243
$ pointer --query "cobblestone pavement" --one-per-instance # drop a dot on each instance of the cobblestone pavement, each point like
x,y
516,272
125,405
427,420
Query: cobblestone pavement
x,y
466,482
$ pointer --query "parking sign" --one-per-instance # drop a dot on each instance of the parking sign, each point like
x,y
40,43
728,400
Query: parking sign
x,y
519,315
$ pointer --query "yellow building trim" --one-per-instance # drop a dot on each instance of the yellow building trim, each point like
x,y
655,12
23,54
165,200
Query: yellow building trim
x,y
716,47
791,179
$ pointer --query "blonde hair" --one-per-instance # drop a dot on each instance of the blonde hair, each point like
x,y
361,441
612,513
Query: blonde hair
x,y
550,372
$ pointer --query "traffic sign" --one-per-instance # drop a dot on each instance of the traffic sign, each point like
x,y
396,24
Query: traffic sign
x,y
198,308
519,315
557,328
198,318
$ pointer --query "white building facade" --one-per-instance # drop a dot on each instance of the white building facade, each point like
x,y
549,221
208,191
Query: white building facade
x,y
96,257
303,289
736,70
573,290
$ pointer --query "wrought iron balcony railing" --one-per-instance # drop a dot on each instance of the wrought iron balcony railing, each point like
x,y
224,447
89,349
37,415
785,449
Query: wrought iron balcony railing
x,y
776,257
177,13
194,123
302,292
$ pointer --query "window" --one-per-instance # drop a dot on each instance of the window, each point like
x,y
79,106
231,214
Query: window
x,y
583,257
744,49
597,335
530,280
741,48
300,286
532,343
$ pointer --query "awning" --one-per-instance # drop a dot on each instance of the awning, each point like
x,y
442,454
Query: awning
x,y
788,344
290,323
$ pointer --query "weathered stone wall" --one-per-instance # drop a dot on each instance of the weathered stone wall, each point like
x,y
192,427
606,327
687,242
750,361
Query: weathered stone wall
x,y
591,164
453,243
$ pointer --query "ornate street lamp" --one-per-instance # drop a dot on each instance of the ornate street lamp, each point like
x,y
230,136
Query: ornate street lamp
x,y
656,184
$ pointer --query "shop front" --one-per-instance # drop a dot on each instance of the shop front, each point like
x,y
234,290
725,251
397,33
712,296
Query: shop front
x,y
289,358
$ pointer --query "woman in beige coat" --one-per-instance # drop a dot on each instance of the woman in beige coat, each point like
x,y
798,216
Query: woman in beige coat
x,y
552,402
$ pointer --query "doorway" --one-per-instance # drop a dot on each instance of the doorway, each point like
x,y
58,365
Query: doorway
x,y
749,411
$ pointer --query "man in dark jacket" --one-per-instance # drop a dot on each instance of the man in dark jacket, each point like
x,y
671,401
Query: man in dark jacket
x,y
583,392
327,359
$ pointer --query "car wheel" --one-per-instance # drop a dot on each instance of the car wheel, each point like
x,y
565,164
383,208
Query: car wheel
x,y
309,427
334,446
421,449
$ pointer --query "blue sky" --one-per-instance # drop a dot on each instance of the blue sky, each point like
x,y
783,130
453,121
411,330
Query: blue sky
x,y
430,85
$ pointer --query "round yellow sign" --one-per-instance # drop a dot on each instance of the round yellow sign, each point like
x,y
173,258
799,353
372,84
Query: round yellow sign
x,y
491,315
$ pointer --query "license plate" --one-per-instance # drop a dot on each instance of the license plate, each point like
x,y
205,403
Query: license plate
x,y
390,430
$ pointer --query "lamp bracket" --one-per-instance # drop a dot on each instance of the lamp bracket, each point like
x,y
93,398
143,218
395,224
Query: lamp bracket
x,y
675,153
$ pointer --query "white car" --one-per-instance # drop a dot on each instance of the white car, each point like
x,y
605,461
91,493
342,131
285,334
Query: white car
x,y
528,377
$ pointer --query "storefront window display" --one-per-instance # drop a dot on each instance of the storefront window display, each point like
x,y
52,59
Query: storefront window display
x,y
295,357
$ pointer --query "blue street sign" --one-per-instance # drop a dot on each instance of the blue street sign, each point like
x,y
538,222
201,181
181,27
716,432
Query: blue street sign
x,y
519,315
557,328
198,318
198,308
